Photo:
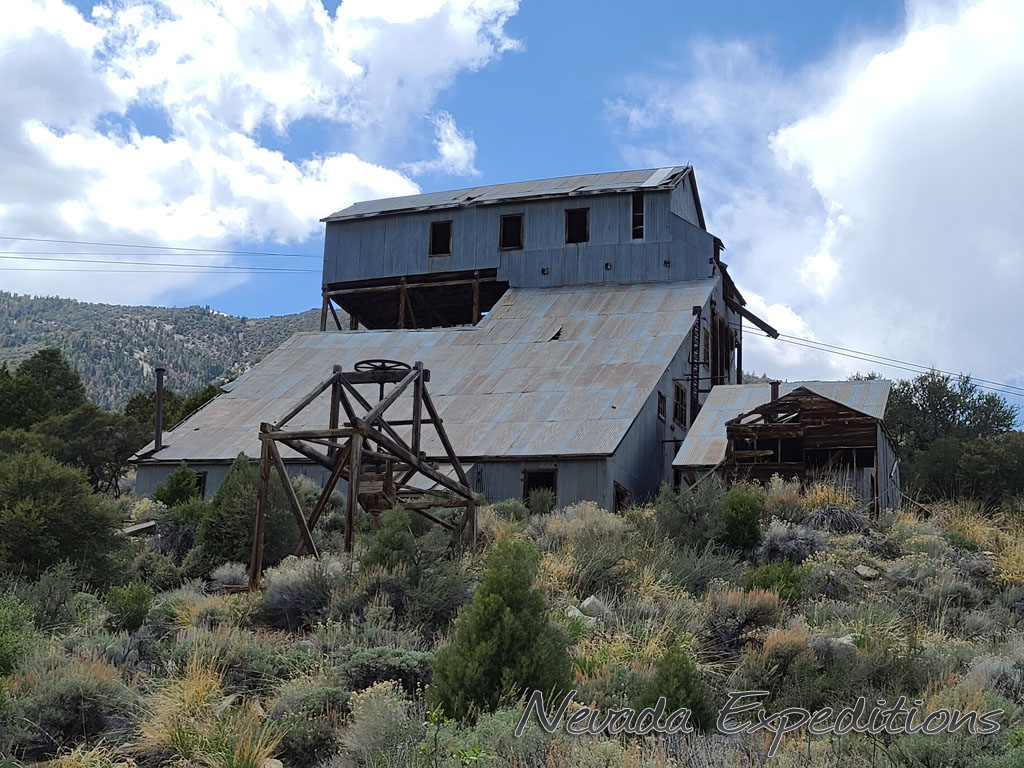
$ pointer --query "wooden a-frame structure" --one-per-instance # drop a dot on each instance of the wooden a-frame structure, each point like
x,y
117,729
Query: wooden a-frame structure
x,y
378,464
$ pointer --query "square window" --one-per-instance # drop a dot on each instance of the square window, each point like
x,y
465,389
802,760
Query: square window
x,y
511,236
441,238
577,225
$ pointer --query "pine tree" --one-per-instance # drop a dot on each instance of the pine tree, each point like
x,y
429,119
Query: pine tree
x,y
504,643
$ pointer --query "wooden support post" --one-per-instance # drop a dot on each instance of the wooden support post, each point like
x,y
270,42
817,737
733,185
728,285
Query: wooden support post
x,y
335,408
355,460
417,409
256,560
337,320
353,322
293,500
325,495
444,439
401,304
476,298
323,314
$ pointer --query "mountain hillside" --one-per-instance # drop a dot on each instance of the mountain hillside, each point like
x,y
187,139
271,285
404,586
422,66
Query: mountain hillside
x,y
115,348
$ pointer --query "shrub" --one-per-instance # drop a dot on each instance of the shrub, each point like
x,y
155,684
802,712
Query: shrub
x,y
494,735
785,578
503,640
836,519
962,541
96,757
685,513
738,525
369,666
695,566
230,575
384,728
69,698
788,542
438,595
128,606
225,535
181,485
512,509
298,592
156,570
190,513
17,634
541,501
50,597
191,721
677,679
311,709
786,666
578,522
783,500
49,513
732,613
393,544
173,540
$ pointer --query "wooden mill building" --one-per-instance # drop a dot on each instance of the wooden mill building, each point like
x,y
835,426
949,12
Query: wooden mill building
x,y
572,329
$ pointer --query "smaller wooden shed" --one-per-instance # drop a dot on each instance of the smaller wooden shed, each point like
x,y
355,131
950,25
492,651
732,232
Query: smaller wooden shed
x,y
806,430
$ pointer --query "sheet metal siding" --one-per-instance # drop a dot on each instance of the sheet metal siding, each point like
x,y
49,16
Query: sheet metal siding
x,y
888,472
683,204
393,246
578,480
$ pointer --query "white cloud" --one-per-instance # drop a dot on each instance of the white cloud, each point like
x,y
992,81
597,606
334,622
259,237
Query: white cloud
x,y
456,153
874,194
219,73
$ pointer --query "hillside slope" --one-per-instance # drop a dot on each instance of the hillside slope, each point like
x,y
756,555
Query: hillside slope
x,y
115,348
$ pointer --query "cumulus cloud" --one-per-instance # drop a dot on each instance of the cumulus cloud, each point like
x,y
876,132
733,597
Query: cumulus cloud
x,y
456,153
220,75
873,195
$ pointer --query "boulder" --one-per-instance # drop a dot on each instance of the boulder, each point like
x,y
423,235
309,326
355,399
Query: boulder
x,y
575,613
866,572
592,606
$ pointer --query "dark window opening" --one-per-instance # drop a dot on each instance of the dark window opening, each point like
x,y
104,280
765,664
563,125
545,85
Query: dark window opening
x,y
577,225
865,457
539,478
706,349
662,406
679,405
638,215
791,449
558,335
201,484
622,498
510,237
441,238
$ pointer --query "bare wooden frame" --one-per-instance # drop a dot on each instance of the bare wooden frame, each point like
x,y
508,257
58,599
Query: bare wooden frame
x,y
369,453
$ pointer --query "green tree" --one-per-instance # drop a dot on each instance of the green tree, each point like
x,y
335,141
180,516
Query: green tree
x,y
992,468
394,543
49,513
181,485
59,381
504,643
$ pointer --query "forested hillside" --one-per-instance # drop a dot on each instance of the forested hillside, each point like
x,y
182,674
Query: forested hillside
x,y
115,348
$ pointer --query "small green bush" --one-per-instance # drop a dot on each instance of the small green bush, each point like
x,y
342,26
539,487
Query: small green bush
x,y
695,566
311,709
676,678
17,634
128,606
50,596
180,486
156,570
438,595
788,542
368,666
785,578
962,541
685,513
503,640
230,575
512,509
298,591
541,501
739,524
394,544
190,513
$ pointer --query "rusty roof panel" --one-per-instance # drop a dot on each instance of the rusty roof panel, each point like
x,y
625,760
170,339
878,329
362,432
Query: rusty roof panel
x,y
496,384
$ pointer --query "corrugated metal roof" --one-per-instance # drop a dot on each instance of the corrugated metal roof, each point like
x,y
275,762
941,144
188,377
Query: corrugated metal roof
x,y
587,184
705,442
501,388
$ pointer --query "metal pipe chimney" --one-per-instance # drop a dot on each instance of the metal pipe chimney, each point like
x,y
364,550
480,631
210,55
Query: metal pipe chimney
x,y
775,391
158,440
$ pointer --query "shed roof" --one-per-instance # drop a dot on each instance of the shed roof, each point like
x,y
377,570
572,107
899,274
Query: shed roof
x,y
505,387
650,179
705,442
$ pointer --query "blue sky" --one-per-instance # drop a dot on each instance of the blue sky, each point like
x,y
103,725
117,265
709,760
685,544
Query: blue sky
x,y
859,160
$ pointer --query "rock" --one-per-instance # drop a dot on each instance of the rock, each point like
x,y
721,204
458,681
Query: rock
x,y
575,613
594,607
271,762
866,572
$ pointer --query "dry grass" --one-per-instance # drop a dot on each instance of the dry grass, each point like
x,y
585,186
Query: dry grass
x,y
97,757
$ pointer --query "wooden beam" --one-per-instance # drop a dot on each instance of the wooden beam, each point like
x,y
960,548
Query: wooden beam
x,y
323,313
293,500
476,302
325,495
335,408
444,438
354,459
304,434
337,320
305,401
403,453
393,395
402,298
256,559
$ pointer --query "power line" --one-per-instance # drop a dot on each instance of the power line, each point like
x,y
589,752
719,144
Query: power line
x,y
224,251
230,267
210,271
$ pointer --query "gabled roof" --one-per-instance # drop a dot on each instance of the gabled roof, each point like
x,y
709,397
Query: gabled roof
x,y
548,372
705,442
650,179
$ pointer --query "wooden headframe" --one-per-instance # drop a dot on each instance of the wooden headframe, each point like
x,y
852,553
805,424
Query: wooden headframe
x,y
368,452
